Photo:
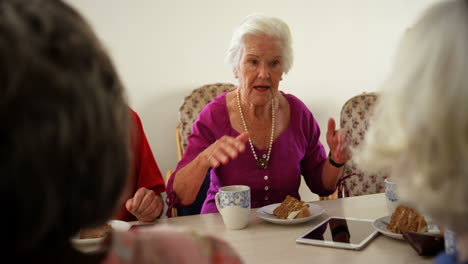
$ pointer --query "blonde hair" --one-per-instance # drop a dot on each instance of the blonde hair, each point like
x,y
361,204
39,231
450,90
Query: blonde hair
x,y
257,25
419,131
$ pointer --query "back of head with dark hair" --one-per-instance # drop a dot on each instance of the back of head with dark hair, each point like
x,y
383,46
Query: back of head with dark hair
x,y
63,128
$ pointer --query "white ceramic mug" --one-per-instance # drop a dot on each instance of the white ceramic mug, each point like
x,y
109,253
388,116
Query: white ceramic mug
x,y
233,204
391,195
450,241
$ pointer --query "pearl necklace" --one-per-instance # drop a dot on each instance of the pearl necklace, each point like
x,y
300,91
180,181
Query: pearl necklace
x,y
262,163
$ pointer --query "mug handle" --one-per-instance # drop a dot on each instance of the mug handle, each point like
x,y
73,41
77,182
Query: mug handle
x,y
217,202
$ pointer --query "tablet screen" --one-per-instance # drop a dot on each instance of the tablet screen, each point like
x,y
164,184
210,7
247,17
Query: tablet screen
x,y
340,232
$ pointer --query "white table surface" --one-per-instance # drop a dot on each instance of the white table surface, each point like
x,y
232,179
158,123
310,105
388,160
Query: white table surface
x,y
264,242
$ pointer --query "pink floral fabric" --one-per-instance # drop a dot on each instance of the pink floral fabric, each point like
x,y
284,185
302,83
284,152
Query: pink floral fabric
x,y
167,245
194,103
355,116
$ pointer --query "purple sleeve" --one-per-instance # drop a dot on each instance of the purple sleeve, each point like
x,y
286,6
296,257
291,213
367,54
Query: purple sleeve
x,y
315,156
202,137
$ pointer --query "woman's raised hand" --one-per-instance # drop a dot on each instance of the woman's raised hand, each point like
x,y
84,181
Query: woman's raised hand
x,y
338,142
224,149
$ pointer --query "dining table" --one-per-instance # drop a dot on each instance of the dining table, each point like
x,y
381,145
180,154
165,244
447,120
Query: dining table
x,y
266,242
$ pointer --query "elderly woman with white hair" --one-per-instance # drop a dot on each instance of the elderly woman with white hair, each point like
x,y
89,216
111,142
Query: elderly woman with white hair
x,y
419,132
256,135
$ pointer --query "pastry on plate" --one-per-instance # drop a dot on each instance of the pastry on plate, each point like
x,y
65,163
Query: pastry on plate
x,y
96,232
291,208
406,219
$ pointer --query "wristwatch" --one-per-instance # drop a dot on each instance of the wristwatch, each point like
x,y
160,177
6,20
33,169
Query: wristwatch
x,y
332,162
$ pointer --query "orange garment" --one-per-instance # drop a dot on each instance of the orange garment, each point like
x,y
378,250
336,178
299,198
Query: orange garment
x,y
144,171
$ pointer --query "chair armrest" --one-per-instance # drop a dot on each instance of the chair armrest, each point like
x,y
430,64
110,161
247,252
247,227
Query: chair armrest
x,y
179,142
330,197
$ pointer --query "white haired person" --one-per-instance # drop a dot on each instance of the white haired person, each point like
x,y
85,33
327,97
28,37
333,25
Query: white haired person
x,y
256,135
419,132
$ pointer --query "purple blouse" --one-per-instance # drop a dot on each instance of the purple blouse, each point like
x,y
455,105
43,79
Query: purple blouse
x,y
297,151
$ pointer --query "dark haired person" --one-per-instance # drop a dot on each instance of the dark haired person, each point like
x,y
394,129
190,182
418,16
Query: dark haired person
x,y
65,146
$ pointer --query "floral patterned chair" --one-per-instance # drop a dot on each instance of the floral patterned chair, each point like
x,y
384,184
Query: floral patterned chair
x,y
191,107
355,116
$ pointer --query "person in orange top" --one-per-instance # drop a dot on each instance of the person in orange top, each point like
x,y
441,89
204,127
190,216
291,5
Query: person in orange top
x,y
143,199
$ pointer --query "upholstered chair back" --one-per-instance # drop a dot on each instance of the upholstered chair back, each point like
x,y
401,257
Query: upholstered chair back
x,y
194,103
355,116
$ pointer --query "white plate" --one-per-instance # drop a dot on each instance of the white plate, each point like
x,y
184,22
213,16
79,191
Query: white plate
x,y
117,225
266,213
381,225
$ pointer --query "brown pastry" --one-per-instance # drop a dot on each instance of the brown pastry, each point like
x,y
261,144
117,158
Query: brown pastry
x,y
291,208
406,219
96,232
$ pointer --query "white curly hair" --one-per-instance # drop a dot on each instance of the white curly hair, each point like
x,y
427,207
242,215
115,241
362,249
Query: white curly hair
x,y
258,25
419,131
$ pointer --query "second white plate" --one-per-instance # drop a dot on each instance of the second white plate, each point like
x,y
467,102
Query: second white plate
x,y
117,225
266,213
381,223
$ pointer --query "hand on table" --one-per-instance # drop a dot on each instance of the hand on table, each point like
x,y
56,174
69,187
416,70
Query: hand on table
x,y
145,205
224,149
338,142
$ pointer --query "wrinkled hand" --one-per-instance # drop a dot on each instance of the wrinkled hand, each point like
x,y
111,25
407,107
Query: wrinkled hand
x,y
145,205
338,142
224,149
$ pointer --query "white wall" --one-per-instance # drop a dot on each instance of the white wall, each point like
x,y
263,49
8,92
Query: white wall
x,y
164,49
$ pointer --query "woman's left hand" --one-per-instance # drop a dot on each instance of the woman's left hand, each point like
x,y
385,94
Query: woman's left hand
x,y
145,205
338,142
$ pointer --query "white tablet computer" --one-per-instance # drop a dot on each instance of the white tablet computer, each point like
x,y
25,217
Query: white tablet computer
x,y
340,232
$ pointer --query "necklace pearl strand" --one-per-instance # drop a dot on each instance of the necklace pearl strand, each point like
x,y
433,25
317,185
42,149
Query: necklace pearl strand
x,y
262,163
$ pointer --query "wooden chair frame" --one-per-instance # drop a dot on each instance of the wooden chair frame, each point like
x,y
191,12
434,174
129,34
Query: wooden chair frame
x,y
179,154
